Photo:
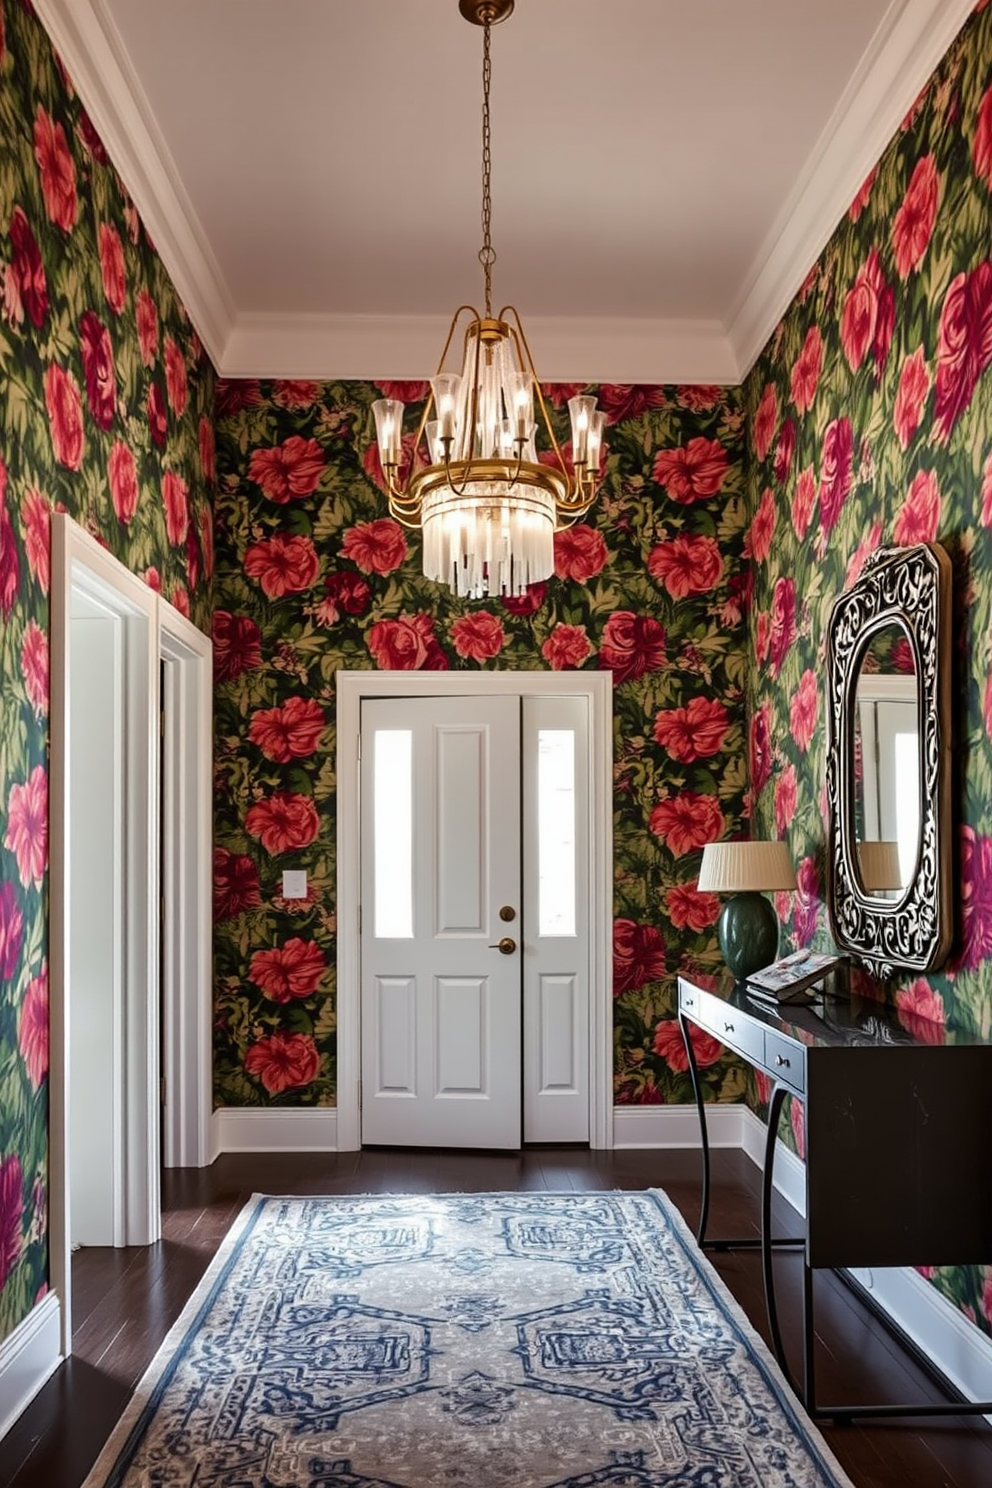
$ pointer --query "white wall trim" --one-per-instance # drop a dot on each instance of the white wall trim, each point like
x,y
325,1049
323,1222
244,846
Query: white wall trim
x,y
307,1130
677,1126
29,1356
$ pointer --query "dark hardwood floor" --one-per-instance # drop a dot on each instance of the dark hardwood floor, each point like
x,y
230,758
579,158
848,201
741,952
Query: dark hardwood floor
x,y
126,1300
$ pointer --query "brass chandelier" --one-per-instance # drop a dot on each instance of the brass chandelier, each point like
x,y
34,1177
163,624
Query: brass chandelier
x,y
487,502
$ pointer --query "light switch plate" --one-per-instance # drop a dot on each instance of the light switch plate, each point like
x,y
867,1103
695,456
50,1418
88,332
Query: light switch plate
x,y
294,883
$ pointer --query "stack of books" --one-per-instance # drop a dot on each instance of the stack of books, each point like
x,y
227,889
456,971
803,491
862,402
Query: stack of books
x,y
784,979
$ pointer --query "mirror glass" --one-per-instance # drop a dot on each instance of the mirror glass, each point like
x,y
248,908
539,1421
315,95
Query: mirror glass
x,y
885,770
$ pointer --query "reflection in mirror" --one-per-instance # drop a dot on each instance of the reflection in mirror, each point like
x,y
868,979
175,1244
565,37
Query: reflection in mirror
x,y
886,767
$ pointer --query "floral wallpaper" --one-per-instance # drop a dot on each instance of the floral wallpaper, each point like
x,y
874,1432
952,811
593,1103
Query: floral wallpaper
x,y
312,577
106,411
870,422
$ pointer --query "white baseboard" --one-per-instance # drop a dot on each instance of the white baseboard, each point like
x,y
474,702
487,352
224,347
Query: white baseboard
x,y
313,1129
678,1126
28,1358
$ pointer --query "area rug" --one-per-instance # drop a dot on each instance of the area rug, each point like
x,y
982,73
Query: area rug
x,y
463,1341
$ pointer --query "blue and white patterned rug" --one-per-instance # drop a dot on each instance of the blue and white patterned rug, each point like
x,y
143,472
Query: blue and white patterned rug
x,y
463,1341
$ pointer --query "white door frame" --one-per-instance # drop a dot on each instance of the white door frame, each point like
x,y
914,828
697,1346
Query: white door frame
x,y
597,687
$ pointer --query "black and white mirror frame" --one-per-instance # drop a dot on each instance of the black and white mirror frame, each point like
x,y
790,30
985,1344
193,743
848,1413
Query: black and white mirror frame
x,y
911,588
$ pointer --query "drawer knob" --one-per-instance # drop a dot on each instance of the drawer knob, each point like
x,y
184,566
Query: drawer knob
x,y
728,1027
781,1060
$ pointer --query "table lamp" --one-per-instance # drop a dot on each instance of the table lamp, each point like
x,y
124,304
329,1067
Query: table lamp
x,y
748,927
878,866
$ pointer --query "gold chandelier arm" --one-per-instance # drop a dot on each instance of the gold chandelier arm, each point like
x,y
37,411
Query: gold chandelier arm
x,y
528,361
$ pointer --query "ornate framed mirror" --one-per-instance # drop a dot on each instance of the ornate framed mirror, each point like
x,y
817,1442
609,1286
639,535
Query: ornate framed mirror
x,y
889,889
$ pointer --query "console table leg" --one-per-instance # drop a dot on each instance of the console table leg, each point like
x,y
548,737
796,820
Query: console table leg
x,y
767,1274
697,1090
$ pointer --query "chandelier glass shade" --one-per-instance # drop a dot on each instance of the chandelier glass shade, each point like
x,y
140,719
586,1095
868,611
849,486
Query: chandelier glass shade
x,y
486,480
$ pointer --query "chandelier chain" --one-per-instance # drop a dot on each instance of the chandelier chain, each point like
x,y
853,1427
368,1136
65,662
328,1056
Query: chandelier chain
x,y
487,256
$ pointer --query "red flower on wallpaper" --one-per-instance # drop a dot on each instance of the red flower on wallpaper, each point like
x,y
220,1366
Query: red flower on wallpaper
x,y
986,513
806,902
375,547
759,749
921,1012
804,710
688,909
237,645
806,371
692,472
863,195
580,553
405,392
293,969
27,826
290,732
11,1211
632,645
123,476
175,377
65,416
859,557
912,226
669,1045
36,526
295,393
10,564
785,451
11,931
34,667
868,316
783,622
765,421
406,645
27,267
758,543
283,822
478,635
235,884
112,266
205,523
976,899
919,518
687,565
964,347
797,1119
911,396
621,400
57,169
567,647
32,1028
700,396
638,956
98,369
282,564
345,593
176,504
687,821
762,635
158,424
283,1061
527,603
146,315
697,731
208,455
981,145
288,470
786,799
835,472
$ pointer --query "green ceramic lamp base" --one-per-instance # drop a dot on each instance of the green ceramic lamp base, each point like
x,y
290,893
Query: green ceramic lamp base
x,y
748,933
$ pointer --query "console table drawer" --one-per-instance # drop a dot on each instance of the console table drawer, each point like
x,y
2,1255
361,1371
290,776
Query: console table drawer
x,y
785,1060
731,1027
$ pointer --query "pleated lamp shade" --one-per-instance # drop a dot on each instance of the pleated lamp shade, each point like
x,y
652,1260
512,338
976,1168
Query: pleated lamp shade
x,y
879,865
732,867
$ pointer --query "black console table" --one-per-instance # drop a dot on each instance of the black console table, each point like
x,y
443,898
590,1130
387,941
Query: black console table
x,y
898,1115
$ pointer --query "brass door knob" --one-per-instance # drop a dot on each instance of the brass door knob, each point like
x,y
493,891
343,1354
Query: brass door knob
x,y
506,946
508,912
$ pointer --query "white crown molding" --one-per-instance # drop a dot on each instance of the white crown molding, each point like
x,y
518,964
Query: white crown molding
x,y
89,44
906,48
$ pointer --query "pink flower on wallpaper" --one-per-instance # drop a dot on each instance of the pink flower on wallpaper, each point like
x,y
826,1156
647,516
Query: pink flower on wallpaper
x,y
981,145
785,451
783,622
632,645
762,635
863,195
293,969
283,822
921,1012
797,1117
34,667
688,909
919,518
235,884
697,731
638,956
976,898
65,416
288,470
567,647
153,579
32,1028
580,553
835,472
621,401
687,821
803,501
687,565
11,931
758,543
112,266
692,472
176,504
57,169
807,900
806,371
283,1061
298,393
786,796
27,268
760,749
175,377
11,1213
36,529
964,347
27,826
146,315
407,644
911,397
123,476
375,547
765,421
912,226
158,423
700,396
669,1045
283,564
804,710
860,556
208,457
868,315
527,603
98,369
290,732
237,645
479,636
